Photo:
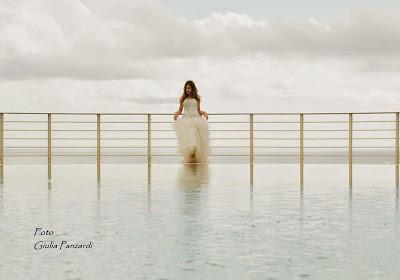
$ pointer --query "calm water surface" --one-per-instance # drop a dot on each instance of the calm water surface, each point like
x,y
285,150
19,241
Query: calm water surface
x,y
207,223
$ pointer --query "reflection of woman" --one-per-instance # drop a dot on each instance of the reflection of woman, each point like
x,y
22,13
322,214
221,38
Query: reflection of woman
x,y
192,129
193,177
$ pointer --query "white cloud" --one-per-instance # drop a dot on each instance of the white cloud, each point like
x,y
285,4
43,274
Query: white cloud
x,y
79,39
133,55
218,23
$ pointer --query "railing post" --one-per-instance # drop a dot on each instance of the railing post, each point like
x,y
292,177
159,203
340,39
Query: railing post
x,y
350,150
49,146
397,150
1,145
251,147
251,139
98,147
148,138
301,150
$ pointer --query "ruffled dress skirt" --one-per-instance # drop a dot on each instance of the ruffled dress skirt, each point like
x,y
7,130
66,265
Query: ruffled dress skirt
x,y
193,137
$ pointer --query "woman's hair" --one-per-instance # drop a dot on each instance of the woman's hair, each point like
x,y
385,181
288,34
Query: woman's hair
x,y
193,94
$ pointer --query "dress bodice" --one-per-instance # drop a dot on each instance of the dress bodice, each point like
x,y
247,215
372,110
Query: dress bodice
x,y
190,107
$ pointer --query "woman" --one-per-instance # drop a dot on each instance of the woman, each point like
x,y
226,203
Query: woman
x,y
192,129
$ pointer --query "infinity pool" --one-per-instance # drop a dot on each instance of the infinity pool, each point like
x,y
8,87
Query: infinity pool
x,y
203,223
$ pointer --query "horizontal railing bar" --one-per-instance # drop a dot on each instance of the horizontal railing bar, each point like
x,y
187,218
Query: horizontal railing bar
x,y
278,138
123,138
102,138
173,155
25,121
299,130
214,122
323,155
323,138
137,147
274,122
44,155
112,147
79,122
270,155
174,130
320,147
25,130
69,147
220,114
220,130
19,121
348,122
25,138
117,155
76,130
124,122
323,130
229,122
360,138
79,138
124,129
72,155
213,147
51,130
212,138
144,138
73,122
68,122
276,129
368,130
354,155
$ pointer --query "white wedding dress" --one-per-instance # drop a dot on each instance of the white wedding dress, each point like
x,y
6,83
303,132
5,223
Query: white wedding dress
x,y
192,132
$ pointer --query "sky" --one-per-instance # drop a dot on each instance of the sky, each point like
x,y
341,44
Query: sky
x,y
244,56
324,10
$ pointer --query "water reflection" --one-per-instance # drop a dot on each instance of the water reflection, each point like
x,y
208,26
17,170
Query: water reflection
x,y
350,206
397,210
98,192
193,180
49,197
301,201
192,176
148,188
251,194
1,173
1,198
203,224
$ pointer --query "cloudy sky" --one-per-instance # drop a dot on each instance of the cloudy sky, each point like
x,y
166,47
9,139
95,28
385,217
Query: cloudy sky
x,y
245,56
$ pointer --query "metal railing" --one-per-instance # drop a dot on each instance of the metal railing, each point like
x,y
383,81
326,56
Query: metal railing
x,y
248,121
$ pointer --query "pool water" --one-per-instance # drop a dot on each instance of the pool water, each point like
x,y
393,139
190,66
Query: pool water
x,y
202,223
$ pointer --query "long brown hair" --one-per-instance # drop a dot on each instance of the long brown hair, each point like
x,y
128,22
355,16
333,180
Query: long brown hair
x,y
193,94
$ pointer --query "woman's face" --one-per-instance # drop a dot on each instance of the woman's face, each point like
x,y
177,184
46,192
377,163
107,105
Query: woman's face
x,y
188,89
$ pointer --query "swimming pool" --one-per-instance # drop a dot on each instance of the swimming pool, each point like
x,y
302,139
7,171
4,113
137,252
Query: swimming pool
x,y
207,223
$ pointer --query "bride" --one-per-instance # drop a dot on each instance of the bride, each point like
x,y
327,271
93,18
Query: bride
x,y
192,129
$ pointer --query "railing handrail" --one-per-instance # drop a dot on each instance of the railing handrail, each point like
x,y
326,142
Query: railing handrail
x,y
228,113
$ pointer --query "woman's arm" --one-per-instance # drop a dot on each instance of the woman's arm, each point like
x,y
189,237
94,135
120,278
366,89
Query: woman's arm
x,y
180,107
176,114
201,112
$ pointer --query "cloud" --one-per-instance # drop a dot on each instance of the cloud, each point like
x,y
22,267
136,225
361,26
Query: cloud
x,y
378,65
256,83
121,39
218,23
134,56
